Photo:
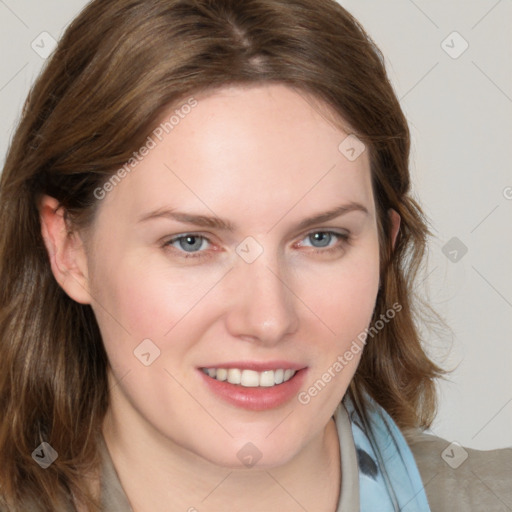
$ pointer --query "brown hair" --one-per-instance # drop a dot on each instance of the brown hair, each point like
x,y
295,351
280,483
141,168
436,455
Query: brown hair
x,y
119,65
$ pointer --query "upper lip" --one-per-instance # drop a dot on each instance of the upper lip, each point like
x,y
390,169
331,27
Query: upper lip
x,y
258,366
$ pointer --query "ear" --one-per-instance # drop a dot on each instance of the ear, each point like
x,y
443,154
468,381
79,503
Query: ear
x,y
395,225
65,249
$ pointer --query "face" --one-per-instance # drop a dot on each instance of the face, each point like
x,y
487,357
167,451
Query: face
x,y
244,244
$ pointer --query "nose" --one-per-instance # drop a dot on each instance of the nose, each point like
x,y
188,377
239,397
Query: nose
x,y
262,308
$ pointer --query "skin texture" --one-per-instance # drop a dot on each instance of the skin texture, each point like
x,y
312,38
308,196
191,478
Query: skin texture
x,y
263,158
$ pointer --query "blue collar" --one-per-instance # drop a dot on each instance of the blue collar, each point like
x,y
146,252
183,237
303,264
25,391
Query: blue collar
x,y
389,480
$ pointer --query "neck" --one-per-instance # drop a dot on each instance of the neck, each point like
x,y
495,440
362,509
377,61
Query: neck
x,y
158,475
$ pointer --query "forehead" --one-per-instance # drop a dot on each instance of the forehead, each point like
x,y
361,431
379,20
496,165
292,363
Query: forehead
x,y
260,149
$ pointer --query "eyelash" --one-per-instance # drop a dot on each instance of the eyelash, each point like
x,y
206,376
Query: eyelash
x,y
343,239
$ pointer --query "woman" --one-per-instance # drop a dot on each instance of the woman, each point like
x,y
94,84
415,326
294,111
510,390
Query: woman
x,y
207,262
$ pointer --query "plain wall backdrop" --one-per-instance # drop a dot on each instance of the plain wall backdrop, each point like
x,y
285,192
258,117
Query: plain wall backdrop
x,y
451,65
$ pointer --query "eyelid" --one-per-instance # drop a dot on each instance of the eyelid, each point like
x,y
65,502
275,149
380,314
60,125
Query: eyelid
x,y
344,236
333,231
167,242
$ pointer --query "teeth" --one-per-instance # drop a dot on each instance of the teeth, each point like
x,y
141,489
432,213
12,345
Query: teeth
x,y
267,379
288,374
234,376
222,374
250,378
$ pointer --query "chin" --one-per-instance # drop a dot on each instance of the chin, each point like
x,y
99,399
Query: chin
x,y
251,454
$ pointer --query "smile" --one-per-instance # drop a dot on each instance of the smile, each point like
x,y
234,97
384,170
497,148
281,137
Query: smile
x,y
250,378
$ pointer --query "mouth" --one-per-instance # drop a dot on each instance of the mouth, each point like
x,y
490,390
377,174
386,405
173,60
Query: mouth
x,y
254,386
251,378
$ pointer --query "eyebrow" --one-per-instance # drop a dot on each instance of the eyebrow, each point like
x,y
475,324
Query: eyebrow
x,y
215,222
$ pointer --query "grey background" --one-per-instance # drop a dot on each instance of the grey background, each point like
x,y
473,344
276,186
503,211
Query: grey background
x,y
459,111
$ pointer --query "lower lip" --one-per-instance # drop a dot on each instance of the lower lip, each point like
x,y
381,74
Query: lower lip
x,y
256,399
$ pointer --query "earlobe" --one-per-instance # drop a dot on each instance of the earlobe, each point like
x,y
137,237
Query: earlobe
x,y
395,225
65,250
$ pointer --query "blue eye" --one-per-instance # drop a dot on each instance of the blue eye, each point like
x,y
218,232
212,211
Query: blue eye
x,y
188,243
191,245
321,239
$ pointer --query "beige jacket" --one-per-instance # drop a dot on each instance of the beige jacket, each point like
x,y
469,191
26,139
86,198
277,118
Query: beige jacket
x,y
461,479
456,479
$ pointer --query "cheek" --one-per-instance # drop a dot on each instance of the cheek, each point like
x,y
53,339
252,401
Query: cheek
x,y
343,309
138,298
354,301
343,296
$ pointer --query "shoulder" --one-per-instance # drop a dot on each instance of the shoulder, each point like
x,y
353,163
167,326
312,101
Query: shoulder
x,y
113,496
459,478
